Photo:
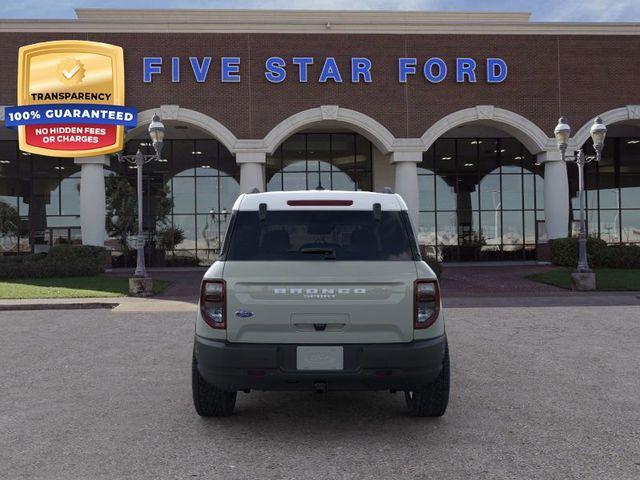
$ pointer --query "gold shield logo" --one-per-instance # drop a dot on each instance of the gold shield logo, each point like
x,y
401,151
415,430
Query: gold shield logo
x,y
78,74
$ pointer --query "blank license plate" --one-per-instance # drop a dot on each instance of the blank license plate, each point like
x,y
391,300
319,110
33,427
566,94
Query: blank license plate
x,y
320,358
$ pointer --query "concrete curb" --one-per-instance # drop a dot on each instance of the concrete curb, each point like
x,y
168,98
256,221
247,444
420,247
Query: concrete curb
x,y
56,306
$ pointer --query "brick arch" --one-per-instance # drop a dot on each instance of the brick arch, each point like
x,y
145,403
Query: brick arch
x,y
382,138
527,132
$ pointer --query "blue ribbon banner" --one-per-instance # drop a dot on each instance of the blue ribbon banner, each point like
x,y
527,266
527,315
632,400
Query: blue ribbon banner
x,y
70,113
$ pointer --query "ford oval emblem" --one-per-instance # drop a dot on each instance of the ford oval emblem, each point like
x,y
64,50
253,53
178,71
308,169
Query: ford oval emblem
x,y
244,313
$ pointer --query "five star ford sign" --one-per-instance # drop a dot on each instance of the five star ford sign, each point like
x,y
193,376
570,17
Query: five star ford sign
x,y
71,99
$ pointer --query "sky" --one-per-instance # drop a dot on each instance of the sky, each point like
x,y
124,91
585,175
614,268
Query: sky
x,y
542,10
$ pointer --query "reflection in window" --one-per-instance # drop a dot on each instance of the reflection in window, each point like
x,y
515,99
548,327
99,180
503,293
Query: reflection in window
x,y
487,194
334,161
612,190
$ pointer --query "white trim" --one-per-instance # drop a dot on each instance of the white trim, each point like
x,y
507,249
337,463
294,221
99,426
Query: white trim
x,y
622,114
312,21
531,136
200,120
358,122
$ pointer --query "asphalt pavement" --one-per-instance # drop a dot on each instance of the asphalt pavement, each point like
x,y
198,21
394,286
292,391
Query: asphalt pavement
x,y
539,392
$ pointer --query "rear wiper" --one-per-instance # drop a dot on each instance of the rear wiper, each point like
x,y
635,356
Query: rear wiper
x,y
329,253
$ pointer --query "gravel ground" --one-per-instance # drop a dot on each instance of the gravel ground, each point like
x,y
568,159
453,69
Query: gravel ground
x,y
549,392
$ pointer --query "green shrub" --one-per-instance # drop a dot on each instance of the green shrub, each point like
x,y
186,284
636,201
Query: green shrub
x,y
564,252
61,261
618,256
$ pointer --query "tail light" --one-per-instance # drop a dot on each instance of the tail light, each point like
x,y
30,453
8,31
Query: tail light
x,y
426,303
213,303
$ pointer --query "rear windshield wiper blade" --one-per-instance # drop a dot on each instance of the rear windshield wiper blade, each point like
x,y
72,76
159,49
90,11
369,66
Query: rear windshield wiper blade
x,y
329,253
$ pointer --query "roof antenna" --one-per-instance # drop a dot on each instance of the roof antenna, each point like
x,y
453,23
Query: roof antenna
x,y
254,190
387,190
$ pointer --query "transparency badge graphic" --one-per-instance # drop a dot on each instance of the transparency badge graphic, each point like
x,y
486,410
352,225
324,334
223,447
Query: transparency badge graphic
x,y
70,99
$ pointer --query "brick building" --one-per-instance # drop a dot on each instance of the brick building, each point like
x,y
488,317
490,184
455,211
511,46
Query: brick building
x,y
455,111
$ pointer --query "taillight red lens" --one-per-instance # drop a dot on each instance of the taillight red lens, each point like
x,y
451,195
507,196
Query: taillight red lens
x,y
426,303
213,300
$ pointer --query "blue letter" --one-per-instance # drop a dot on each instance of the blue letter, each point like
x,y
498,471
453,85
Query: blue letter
x,y
275,69
150,66
465,66
360,66
428,70
175,69
406,66
303,63
330,71
200,71
498,76
230,69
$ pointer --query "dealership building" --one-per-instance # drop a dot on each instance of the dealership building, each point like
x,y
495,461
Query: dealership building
x,y
454,111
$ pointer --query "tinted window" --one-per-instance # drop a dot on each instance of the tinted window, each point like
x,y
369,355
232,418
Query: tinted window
x,y
320,235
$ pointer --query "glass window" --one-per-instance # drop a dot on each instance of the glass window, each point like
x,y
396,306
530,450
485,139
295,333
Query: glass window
x,y
320,235
70,196
427,228
445,194
630,190
609,225
445,156
183,157
490,198
426,195
631,226
183,190
207,195
511,155
188,225
512,192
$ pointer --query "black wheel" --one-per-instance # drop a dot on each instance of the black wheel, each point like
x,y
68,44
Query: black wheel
x,y
431,400
208,400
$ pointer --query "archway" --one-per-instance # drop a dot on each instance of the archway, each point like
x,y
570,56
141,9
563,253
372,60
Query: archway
x,y
188,194
481,187
612,186
328,147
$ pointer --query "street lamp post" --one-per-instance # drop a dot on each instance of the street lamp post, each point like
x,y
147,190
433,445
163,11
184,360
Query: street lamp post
x,y
156,133
583,278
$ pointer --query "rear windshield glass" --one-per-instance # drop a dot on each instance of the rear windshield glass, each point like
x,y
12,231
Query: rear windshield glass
x,y
320,235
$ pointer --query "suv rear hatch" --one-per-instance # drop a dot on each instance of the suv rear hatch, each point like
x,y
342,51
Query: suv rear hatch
x,y
319,276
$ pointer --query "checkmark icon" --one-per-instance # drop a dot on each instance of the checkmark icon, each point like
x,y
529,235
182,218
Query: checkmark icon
x,y
71,73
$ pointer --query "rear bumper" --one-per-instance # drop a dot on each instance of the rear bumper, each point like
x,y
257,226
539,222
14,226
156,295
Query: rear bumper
x,y
241,366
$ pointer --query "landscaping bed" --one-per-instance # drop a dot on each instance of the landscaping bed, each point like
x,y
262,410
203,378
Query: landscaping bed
x,y
607,279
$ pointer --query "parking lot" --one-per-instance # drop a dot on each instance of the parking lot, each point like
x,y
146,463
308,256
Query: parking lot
x,y
542,392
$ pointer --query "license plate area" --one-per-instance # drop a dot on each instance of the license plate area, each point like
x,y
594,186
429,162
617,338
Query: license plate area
x,y
319,358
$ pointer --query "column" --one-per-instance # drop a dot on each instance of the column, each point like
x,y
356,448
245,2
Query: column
x,y
251,170
93,208
406,166
556,194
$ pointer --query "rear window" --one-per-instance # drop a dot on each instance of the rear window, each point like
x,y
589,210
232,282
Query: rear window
x,y
319,235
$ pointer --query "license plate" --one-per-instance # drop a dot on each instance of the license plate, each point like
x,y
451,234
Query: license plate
x,y
320,358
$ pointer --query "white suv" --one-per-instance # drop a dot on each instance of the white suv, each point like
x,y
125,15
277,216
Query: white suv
x,y
320,290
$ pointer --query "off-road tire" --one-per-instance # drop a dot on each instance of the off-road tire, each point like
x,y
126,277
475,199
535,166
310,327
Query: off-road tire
x,y
208,400
431,400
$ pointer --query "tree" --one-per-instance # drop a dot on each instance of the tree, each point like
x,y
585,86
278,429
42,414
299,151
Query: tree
x,y
122,208
9,221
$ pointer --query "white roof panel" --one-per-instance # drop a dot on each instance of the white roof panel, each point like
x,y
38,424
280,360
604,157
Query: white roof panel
x,y
280,200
